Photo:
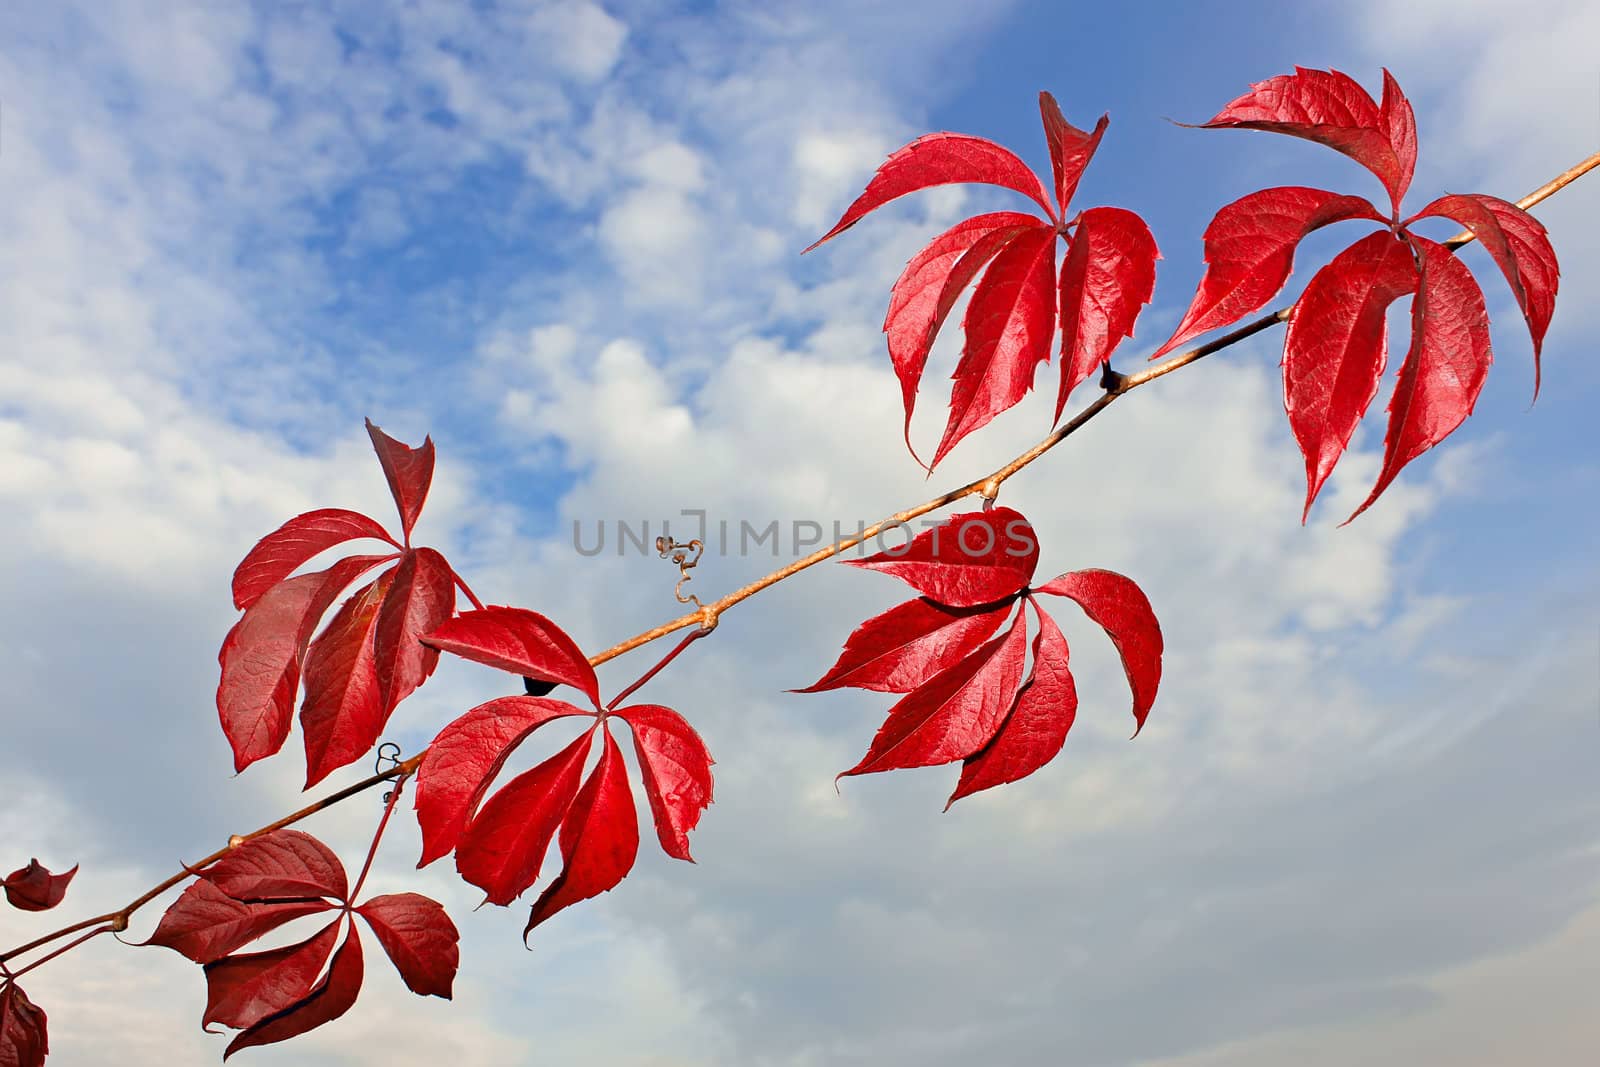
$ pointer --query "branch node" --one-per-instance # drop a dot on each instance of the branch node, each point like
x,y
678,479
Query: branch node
x,y
1110,380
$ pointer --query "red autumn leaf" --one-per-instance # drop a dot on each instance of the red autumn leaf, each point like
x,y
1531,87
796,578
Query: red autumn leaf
x,y
1400,124
1070,148
205,924
283,865
1520,248
332,998
942,159
1335,349
1444,370
242,990
1331,108
421,597
419,939
24,1038
955,713
35,888
262,655
343,713
409,472
520,641
599,839
1009,325
929,286
974,558
277,555
1106,279
910,643
1249,250
465,758
502,849
1038,724
677,772
1119,607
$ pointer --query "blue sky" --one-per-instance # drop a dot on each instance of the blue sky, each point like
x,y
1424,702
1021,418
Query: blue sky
x,y
562,237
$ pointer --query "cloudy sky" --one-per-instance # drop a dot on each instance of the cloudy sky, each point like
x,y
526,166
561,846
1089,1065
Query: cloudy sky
x,y
1361,825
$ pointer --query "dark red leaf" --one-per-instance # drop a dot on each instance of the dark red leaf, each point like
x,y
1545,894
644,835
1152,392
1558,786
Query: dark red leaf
x,y
419,938
1250,251
1331,108
277,555
929,286
942,159
283,865
1334,351
677,772
503,847
520,641
331,999
1400,123
464,759
1119,607
955,713
1070,148
206,924
1009,324
34,888
978,557
1520,247
422,596
599,839
1036,728
242,990
1106,279
24,1039
1446,367
905,646
342,714
262,655
409,471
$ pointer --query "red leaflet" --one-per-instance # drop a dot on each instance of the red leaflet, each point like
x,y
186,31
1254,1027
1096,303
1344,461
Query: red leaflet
x,y
1106,279
34,888
285,864
942,159
1070,148
419,939
206,924
1334,352
409,471
465,758
905,646
520,641
24,1041
975,558
1445,369
677,772
422,596
1329,107
277,555
1009,324
503,847
1119,607
955,713
599,839
1520,247
331,999
1250,250
262,654
343,712
1036,728
242,990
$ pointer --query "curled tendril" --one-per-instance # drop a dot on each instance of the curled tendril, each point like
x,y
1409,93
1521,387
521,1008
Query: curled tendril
x,y
388,752
678,552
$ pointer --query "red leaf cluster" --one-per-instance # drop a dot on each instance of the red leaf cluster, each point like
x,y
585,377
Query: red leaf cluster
x,y
968,694
1106,276
24,1040
36,888
279,993
500,842
1336,348
366,660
